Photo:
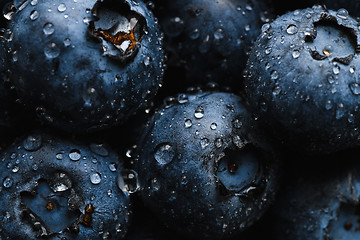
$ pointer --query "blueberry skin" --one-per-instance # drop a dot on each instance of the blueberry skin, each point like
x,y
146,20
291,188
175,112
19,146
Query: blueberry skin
x,y
301,79
40,170
321,203
68,69
200,170
210,39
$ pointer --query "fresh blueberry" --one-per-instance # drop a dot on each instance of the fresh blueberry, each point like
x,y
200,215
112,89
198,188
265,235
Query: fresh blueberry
x,y
302,79
56,189
321,202
200,168
209,39
84,65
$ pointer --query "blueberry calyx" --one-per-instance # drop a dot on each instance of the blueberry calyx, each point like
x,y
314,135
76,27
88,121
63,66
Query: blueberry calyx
x,y
239,172
341,40
118,28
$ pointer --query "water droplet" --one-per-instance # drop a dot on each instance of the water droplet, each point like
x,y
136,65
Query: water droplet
x,y
328,50
164,153
204,142
182,98
34,15
331,79
62,7
355,88
112,167
239,142
194,34
213,126
266,27
340,111
291,29
219,34
174,27
336,69
237,123
99,149
59,156
35,167
188,123
296,54
7,182
276,90
199,112
67,42
342,13
218,142
274,75
95,178
127,181
34,2
75,155
268,50
32,142
328,105
89,96
15,169
147,61
48,29
155,185
352,69
51,50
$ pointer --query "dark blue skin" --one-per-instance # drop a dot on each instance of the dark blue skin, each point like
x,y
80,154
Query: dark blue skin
x,y
49,180
321,202
200,169
209,39
65,68
302,80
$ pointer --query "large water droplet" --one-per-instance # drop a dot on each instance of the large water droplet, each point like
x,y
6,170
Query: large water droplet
x,y
164,153
291,29
342,13
34,15
75,155
95,178
188,123
199,112
296,54
127,181
32,142
194,34
7,182
62,7
355,88
48,29
51,50
219,34
274,75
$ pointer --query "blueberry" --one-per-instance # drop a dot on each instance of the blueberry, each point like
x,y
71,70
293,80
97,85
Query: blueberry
x,y
200,168
84,65
210,39
321,202
301,79
58,189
